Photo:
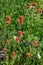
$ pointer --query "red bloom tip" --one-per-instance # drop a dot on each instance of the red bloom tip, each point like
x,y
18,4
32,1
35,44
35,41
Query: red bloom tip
x,y
4,49
21,18
17,39
35,43
34,4
8,18
28,6
7,41
27,54
39,11
13,53
20,33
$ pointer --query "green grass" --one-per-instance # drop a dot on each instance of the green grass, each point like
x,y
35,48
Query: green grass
x,y
32,28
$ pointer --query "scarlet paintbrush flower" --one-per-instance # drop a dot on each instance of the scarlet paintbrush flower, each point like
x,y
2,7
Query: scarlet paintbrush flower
x,y
20,33
35,43
17,39
28,6
21,18
4,49
7,41
27,54
34,4
39,11
8,18
13,53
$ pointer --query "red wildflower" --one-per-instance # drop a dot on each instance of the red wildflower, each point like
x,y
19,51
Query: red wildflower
x,y
4,49
35,43
13,53
34,4
21,18
20,33
7,41
8,18
17,39
39,11
27,54
28,6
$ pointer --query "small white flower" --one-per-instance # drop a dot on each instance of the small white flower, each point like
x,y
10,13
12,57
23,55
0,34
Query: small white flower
x,y
14,37
38,55
31,7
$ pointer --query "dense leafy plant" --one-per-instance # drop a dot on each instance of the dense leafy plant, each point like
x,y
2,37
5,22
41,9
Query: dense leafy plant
x,y
21,32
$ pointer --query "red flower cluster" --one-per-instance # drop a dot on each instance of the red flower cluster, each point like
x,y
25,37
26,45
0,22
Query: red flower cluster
x,y
34,4
20,33
13,54
39,11
17,39
28,6
4,49
27,54
7,41
35,43
20,20
8,20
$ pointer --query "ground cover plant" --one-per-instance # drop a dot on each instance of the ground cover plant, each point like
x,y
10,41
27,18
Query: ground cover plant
x,y
21,32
